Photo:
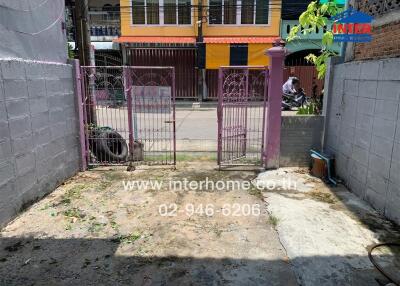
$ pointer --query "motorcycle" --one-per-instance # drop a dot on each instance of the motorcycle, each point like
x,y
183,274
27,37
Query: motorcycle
x,y
297,100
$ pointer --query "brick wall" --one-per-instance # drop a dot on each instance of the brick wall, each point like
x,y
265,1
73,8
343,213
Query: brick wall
x,y
38,132
363,130
385,43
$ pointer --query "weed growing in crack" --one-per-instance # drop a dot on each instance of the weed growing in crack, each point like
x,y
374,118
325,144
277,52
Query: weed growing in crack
x,y
74,213
130,238
273,220
96,227
72,194
114,225
256,192
322,197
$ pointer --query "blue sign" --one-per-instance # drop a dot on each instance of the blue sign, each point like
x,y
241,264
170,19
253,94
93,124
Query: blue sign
x,y
352,26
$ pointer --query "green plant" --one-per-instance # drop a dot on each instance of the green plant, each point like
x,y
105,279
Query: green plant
x,y
96,227
71,194
308,109
74,213
273,220
71,53
316,17
130,238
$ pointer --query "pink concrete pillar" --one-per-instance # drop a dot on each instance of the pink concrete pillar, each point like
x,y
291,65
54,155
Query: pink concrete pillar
x,y
79,98
273,124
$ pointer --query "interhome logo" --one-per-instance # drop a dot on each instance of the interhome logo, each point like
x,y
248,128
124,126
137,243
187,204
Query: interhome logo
x,y
352,26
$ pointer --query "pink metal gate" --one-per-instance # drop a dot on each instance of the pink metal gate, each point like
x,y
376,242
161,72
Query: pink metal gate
x,y
129,115
242,106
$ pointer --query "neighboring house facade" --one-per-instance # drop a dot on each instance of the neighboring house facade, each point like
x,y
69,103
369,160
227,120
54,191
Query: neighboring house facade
x,y
363,111
310,43
295,62
104,27
174,33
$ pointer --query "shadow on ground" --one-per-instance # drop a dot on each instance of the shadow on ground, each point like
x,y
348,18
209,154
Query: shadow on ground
x,y
29,261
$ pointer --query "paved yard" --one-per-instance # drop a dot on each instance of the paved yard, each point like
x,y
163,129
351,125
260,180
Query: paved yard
x,y
91,231
112,227
327,231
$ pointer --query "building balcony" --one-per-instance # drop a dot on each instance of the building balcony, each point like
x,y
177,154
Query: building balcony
x,y
286,26
104,25
310,41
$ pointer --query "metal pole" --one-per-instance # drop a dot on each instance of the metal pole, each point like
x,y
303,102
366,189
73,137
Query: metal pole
x,y
82,39
173,113
219,115
82,43
128,95
201,71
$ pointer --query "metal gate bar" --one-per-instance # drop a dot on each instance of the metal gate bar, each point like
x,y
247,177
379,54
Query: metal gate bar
x,y
183,59
242,107
129,115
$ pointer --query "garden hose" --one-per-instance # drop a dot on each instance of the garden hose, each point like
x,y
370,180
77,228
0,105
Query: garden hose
x,y
377,266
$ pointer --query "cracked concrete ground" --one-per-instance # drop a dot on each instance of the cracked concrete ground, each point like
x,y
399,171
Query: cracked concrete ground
x,y
90,231
326,231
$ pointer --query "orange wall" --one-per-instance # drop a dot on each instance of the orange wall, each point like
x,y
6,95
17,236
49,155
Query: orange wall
x,y
127,29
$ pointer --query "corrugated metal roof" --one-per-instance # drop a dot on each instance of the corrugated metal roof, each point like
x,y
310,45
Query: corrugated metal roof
x,y
167,40
239,40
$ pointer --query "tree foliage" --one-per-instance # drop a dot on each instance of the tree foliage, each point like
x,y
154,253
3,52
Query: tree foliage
x,y
317,17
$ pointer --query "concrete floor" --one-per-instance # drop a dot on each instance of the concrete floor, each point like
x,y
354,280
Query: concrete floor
x,y
327,231
91,231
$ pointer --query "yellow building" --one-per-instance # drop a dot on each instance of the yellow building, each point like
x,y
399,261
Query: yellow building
x,y
173,32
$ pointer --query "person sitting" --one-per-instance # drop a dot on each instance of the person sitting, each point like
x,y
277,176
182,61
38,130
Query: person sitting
x,y
293,94
291,86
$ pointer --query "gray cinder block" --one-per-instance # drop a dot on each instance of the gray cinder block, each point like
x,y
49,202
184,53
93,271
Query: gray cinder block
x,y
376,200
17,108
20,126
38,105
36,88
386,109
369,70
366,106
24,163
389,70
36,102
389,90
367,88
379,165
384,128
15,89
11,69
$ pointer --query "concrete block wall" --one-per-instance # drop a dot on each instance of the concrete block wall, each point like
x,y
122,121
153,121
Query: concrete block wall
x,y
299,134
39,145
363,130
